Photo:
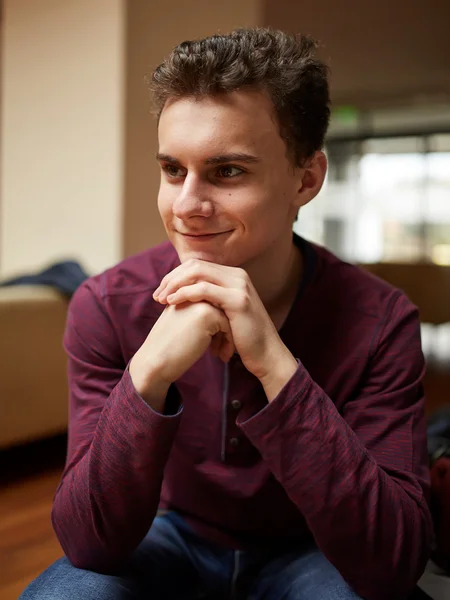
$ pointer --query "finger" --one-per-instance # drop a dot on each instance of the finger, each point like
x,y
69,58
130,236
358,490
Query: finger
x,y
226,346
229,300
194,271
216,343
226,350
186,274
186,271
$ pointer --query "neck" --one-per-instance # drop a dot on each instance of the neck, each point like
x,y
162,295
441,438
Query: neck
x,y
276,274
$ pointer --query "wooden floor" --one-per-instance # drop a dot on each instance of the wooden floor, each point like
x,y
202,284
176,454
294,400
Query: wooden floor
x,y
28,478
28,545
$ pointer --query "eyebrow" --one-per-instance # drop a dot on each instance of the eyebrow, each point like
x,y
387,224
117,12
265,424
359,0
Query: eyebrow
x,y
214,160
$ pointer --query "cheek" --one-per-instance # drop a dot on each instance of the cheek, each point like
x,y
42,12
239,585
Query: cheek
x,y
261,208
164,203
249,201
266,217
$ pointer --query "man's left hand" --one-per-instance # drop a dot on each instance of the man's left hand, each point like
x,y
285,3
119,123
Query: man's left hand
x,y
229,288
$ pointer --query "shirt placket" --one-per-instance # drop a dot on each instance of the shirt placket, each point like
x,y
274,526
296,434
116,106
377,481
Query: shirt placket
x,y
236,388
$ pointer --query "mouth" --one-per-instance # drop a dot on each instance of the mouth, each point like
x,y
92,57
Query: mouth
x,y
203,237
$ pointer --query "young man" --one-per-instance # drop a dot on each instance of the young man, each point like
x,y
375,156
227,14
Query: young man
x,y
266,395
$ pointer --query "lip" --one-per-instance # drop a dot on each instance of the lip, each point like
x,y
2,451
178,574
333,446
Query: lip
x,y
203,237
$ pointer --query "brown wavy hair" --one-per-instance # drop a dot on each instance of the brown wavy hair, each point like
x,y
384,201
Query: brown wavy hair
x,y
284,66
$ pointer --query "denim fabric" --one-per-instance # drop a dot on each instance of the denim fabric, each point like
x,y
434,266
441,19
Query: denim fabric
x,y
173,563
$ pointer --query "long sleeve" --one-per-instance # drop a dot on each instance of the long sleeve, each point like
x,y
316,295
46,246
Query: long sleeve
x,y
359,475
118,446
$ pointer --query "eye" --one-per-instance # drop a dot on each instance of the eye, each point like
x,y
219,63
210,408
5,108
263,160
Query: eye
x,y
172,170
228,171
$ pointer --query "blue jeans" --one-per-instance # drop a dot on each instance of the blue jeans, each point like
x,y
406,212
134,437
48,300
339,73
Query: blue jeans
x,y
173,563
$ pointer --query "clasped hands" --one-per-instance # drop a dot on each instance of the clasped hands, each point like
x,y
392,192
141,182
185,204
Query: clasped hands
x,y
252,333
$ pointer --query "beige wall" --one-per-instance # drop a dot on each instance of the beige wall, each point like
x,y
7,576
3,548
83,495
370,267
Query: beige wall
x,y
62,126
79,177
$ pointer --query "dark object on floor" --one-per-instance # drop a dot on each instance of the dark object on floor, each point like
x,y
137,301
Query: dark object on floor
x,y
64,276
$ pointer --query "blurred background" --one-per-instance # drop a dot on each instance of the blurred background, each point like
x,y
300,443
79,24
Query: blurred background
x,y
78,182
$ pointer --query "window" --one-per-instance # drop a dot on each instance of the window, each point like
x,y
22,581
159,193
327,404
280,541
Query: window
x,y
384,200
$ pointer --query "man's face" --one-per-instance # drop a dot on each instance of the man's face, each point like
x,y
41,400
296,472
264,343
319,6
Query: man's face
x,y
228,191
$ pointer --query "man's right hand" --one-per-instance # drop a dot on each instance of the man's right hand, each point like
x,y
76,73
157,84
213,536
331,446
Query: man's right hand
x,y
179,338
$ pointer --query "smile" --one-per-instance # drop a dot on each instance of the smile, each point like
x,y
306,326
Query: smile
x,y
203,237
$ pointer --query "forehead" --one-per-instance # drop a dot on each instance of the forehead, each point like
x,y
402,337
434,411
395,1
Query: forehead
x,y
238,121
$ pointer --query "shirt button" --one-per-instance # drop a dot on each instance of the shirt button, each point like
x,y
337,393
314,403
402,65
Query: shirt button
x,y
235,442
236,404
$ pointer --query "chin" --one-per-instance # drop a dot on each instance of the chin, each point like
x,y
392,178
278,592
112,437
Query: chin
x,y
218,255
214,257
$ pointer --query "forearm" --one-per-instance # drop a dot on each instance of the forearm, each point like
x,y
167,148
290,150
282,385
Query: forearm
x,y
106,502
279,369
374,526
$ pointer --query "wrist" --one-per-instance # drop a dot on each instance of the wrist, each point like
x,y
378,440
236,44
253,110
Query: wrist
x,y
149,384
280,370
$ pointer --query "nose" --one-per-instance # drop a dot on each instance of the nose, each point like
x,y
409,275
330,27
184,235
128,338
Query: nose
x,y
192,201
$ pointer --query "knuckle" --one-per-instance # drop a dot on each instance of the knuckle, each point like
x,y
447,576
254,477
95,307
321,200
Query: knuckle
x,y
242,285
194,270
203,287
244,279
244,301
193,264
203,309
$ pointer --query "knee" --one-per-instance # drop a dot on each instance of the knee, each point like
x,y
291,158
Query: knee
x,y
62,581
52,584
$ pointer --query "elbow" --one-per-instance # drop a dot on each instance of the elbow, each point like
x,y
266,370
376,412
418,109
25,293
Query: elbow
x,y
68,540
393,571
405,574
393,584
401,584
81,551
425,545
97,559
402,572
103,565
80,561
424,541
83,548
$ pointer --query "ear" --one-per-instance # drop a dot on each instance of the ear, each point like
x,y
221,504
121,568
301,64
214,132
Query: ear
x,y
311,178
